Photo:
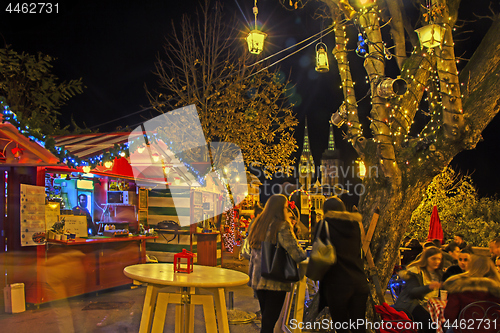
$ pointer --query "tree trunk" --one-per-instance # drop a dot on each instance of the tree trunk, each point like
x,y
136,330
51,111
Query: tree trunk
x,y
397,199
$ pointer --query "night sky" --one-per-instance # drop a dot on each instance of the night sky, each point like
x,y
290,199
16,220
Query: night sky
x,y
113,46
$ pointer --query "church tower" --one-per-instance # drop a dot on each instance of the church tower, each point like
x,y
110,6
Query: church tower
x,y
306,166
331,166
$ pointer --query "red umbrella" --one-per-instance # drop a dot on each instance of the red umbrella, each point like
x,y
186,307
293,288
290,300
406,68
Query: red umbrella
x,y
435,229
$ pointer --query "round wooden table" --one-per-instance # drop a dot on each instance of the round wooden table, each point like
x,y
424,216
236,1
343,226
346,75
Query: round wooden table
x,y
158,276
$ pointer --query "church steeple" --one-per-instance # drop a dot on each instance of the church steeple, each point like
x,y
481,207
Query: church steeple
x,y
331,140
331,164
307,167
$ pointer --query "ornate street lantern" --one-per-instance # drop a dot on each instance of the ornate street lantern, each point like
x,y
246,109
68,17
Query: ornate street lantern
x,y
322,58
255,38
431,35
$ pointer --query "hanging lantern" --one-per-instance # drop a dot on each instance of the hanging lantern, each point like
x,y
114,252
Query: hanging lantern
x,y
321,58
156,157
255,40
388,87
86,169
339,118
431,35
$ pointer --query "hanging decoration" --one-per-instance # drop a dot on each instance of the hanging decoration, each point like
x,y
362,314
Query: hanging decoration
x,y
388,87
322,65
17,152
431,35
255,38
340,117
362,49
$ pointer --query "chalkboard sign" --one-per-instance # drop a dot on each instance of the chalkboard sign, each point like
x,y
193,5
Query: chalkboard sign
x,y
143,199
143,217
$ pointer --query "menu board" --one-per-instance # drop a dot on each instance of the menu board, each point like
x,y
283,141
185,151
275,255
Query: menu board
x,y
52,212
32,215
75,224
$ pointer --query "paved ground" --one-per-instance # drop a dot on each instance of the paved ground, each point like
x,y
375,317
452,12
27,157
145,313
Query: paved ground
x,y
68,315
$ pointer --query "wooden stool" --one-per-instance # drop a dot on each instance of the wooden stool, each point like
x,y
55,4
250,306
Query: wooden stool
x,y
184,299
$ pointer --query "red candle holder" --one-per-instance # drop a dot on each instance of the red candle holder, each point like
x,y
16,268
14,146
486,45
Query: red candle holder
x,y
178,258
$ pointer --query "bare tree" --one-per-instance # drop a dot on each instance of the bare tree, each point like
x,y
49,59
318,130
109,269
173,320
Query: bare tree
x,y
237,101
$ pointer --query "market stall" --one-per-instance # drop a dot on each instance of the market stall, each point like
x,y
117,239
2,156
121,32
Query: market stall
x,y
67,231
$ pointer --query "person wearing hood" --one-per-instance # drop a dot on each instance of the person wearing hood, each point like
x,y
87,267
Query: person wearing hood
x,y
480,283
344,287
422,281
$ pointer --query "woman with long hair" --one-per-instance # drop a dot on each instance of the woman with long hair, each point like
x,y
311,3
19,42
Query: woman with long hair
x,y
422,281
481,282
272,226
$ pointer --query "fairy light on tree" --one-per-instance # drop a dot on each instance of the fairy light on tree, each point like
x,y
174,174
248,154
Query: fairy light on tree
x,y
407,154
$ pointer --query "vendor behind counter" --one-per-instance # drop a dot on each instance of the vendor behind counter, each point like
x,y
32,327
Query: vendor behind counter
x,y
81,209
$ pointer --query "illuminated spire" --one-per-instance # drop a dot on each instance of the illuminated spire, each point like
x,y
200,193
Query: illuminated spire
x,y
331,139
307,166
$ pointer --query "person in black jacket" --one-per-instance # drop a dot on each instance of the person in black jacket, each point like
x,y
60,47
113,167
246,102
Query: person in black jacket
x,y
463,260
344,288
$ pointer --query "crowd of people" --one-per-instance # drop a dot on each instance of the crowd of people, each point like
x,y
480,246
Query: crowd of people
x,y
465,277
428,270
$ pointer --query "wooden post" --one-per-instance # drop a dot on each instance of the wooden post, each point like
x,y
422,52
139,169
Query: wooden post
x,y
365,241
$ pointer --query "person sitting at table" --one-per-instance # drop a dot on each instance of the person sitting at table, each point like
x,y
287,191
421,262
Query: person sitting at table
x,y
463,261
414,250
272,226
480,283
450,255
495,248
344,287
422,281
